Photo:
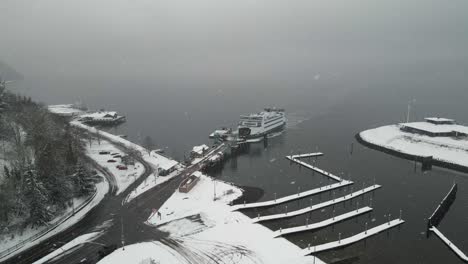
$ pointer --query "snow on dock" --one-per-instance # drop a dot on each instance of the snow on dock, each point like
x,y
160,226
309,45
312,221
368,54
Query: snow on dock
x,y
322,224
451,151
307,155
292,197
317,206
307,165
352,239
449,244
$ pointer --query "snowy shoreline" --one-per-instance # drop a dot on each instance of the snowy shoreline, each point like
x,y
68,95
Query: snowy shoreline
x,y
391,140
203,229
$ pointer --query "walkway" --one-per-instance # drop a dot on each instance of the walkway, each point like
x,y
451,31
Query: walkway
x,y
449,244
322,224
317,206
292,197
352,239
307,165
307,155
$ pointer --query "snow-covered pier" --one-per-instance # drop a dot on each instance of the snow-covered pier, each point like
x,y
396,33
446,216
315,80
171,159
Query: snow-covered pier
x,y
452,246
306,155
292,197
317,206
324,223
307,165
352,239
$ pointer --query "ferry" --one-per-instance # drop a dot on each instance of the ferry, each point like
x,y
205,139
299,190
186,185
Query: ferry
x,y
261,124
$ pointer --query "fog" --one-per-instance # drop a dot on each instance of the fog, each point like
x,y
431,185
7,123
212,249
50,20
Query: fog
x,y
70,49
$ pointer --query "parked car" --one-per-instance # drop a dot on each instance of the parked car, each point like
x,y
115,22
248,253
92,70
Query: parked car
x,y
104,152
121,167
111,161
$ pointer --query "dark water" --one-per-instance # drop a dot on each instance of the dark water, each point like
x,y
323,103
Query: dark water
x,y
180,69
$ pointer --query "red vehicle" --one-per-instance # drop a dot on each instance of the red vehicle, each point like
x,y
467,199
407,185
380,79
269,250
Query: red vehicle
x,y
121,167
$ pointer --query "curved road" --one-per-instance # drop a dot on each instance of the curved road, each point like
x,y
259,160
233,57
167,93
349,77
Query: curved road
x,y
119,224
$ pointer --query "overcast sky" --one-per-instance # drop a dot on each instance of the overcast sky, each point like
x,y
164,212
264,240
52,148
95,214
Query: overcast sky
x,y
97,40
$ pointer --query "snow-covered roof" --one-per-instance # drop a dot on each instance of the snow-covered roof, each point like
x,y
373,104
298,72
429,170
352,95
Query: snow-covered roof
x,y
99,114
64,109
200,149
439,119
162,161
433,128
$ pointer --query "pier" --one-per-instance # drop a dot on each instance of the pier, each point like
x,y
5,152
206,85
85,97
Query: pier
x,y
437,217
292,197
452,246
307,165
317,206
307,155
352,239
322,224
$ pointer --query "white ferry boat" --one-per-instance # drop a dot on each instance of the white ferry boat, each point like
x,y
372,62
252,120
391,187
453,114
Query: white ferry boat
x,y
261,124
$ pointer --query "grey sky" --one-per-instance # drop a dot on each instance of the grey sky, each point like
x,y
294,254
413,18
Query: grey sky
x,y
97,40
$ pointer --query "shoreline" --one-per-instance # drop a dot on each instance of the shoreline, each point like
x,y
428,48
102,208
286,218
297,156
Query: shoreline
x,y
411,157
250,194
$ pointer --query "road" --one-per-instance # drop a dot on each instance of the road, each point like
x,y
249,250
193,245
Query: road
x,y
120,224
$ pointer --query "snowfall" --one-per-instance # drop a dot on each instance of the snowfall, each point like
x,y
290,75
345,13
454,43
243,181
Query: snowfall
x,y
203,229
57,225
446,149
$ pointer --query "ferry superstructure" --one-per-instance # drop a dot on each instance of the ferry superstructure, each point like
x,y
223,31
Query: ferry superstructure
x,y
261,124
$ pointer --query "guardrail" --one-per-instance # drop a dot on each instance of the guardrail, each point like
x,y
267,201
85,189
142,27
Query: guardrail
x,y
64,218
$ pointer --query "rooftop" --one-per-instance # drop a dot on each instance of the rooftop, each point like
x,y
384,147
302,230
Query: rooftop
x,y
200,149
439,119
100,114
163,162
433,128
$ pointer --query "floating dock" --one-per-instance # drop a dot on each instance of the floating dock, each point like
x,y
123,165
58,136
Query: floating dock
x,y
352,239
317,206
322,224
292,197
452,246
307,155
307,165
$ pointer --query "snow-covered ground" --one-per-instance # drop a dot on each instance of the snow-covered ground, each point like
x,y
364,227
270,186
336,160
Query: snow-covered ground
x,y
123,177
65,109
156,160
445,149
151,181
59,224
203,229
69,247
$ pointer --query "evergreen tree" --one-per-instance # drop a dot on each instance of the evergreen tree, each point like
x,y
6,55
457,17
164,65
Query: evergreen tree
x,y
37,200
84,181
